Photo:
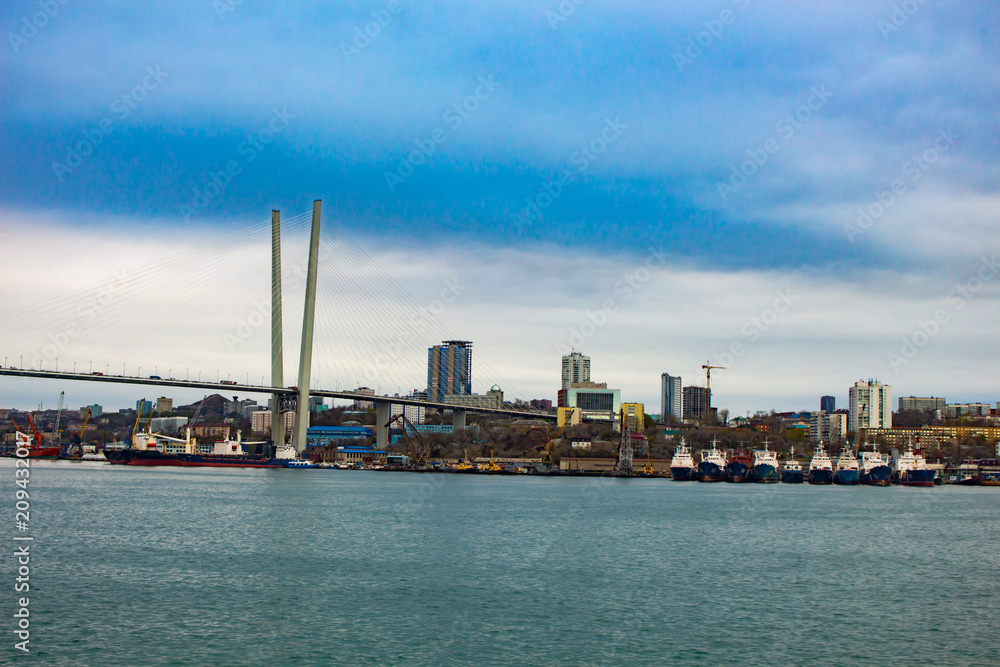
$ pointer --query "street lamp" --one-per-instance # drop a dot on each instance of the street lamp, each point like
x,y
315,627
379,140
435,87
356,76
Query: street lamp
x,y
74,366
57,364
187,373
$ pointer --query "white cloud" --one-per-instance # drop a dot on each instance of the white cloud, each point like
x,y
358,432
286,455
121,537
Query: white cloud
x,y
518,307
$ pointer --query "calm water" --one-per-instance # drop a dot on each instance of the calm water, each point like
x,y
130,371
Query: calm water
x,y
315,567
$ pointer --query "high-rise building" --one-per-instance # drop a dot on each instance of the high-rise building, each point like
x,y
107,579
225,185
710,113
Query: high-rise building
x,y
921,403
594,399
870,405
695,400
633,416
575,368
449,370
95,411
828,404
164,405
143,407
671,397
827,427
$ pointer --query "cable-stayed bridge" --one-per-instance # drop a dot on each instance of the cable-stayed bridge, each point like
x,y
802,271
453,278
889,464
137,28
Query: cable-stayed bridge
x,y
368,329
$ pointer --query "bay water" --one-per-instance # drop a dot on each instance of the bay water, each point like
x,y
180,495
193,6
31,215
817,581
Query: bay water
x,y
160,566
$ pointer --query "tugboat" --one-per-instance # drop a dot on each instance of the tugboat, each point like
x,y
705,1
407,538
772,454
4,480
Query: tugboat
x,y
911,470
820,468
682,465
765,465
875,470
792,472
738,468
711,465
847,471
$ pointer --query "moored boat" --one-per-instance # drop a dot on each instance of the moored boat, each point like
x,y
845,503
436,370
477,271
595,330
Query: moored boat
x,y
847,470
765,465
711,465
682,464
874,468
791,471
910,469
820,467
738,467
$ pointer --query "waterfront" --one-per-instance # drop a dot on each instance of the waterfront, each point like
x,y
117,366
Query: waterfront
x,y
207,566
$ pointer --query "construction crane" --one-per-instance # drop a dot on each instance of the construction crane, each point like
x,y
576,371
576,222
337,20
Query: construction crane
x,y
547,447
416,448
708,388
55,429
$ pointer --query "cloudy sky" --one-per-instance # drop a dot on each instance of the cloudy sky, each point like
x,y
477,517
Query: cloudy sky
x,y
806,195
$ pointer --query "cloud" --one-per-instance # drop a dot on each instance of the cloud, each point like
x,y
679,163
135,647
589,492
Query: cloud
x,y
800,334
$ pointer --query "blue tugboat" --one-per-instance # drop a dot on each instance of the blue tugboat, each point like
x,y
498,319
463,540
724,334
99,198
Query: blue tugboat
x,y
711,464
847,471
820,468
765,465
791,472
875,470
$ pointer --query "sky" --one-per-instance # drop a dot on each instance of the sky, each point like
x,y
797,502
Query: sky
x,y
806,195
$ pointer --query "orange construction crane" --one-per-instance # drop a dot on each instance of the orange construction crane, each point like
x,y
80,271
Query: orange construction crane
x,y
708,388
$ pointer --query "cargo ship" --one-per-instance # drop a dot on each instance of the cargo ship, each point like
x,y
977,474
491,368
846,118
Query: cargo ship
x,y
682,465
153,449
791,472
765,466
820,467
847,470
912,470
738,467
711,465
874,469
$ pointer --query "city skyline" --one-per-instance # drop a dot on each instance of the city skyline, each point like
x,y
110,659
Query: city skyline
x,y
803,218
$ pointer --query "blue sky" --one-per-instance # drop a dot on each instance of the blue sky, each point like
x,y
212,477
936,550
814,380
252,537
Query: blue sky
x,y
635,116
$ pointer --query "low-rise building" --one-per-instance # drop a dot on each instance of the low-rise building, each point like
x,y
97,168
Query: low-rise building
x,y
260,422
318,436
926,436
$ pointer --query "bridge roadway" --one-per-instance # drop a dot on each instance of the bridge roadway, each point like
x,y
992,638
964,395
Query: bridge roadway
x,y
259,389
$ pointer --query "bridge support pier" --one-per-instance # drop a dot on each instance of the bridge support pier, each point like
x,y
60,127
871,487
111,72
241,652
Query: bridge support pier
x,y
458,420
383,410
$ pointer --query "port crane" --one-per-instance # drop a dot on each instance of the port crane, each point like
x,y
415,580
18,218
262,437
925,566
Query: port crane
x,y
708,388
55,429
416,448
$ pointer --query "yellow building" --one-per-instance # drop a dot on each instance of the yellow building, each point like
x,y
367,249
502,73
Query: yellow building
x,y
633,417
927,436
572,415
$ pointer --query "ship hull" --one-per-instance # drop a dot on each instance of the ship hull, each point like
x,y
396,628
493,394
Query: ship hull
x,y
792,476
877,476
683,474
820,476
228,461
765,473
845,476
915,478
709,472
737,472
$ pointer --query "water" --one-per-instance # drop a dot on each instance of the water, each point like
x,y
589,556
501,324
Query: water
x,y
315,567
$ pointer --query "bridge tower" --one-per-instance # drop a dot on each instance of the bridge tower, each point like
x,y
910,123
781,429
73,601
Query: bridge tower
x,y
305,356
277,360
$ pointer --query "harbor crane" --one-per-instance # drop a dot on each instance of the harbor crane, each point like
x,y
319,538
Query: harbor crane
x,y
708,388
416,447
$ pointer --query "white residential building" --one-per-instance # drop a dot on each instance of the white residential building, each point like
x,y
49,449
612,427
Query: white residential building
x,y
827,427
575,368
870,405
